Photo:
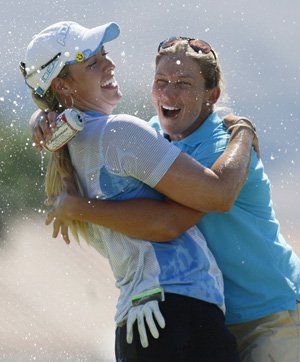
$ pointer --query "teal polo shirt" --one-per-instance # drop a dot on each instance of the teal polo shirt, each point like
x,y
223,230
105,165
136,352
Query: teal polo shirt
x,y
261,272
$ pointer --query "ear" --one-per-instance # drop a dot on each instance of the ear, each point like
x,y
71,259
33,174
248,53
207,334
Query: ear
x,y
61,86
214,95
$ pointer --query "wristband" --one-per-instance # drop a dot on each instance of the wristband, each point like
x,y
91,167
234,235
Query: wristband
x,y
247,121
157,294
243,125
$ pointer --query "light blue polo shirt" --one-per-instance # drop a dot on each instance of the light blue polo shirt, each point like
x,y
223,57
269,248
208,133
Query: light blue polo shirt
x,y
261,272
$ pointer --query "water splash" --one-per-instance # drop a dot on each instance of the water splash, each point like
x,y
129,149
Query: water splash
x,y
42,164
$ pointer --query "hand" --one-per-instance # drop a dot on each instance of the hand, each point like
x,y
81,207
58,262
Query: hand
x,y
231,119
58,212
41,124
256,146
139,313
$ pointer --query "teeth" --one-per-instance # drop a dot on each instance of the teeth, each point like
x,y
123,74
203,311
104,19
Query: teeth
x,y
170,108
110,81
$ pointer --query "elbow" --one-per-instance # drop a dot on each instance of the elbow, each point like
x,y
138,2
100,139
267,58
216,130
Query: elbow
x,y
224,205
227,207
227,199
167,233
174,233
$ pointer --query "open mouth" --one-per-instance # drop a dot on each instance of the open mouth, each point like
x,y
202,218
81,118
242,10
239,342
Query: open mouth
x,y
111,83
170,112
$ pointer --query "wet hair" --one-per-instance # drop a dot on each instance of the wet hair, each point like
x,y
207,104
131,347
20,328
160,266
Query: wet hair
x,y
60,164
209,66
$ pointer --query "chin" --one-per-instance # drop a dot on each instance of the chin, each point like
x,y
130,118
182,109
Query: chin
x,y
167,130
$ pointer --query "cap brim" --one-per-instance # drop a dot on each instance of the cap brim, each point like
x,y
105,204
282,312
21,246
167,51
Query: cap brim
x,y
111,33
93,39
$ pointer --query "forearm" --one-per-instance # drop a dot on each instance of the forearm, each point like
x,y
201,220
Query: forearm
x,y
233,165
211,190
146,219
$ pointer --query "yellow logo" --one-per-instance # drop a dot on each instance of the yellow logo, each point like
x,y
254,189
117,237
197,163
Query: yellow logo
x,y
79,57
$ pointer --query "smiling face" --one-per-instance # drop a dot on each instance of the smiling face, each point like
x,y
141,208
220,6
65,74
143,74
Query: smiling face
x,y
180,96
92,84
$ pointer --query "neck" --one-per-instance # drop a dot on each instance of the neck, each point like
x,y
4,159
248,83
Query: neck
x,y
202,118
88,106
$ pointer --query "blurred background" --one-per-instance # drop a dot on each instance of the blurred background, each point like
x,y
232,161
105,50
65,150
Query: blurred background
x,y
57,302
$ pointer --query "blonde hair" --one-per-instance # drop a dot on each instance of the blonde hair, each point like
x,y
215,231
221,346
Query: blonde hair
x,y
60,164
209,67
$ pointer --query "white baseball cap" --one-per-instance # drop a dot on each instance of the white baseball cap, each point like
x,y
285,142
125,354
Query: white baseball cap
x,y
60,44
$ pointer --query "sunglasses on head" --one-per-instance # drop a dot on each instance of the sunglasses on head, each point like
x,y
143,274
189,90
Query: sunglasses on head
x,y
199,46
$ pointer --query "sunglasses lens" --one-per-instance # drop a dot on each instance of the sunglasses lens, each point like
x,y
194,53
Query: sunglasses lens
x,y
200,46
168,42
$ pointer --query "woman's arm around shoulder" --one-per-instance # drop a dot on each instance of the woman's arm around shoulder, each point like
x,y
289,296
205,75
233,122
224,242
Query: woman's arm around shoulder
x,y
210,190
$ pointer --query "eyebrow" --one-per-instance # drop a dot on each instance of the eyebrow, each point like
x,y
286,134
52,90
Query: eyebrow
x,y
178,76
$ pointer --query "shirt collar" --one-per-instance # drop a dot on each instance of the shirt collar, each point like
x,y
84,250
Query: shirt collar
x,y
203,132
93,113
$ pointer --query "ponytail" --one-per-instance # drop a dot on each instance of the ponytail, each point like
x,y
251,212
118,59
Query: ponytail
x,y
60,164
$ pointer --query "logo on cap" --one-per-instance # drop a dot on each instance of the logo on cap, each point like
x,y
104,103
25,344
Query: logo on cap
x,y
62,33
79,57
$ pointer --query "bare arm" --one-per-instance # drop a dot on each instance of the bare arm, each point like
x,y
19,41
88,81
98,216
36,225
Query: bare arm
x,y
146,219
162,221
215,189
139,218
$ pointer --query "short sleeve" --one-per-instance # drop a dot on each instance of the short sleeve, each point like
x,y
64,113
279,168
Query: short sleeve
x,y
208,152
133,148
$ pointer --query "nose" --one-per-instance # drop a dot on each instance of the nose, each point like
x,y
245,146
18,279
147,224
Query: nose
x,y
109,65
170,90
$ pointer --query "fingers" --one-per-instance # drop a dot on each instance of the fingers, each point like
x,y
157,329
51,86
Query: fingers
x,y
52,119
158,316
46,123
37,137
65,233
140,314
56,228
129,332
43,124
230,119
132,315
256,147
46,130
50,200
57,224
51,214
150,322
41,129
150,309
142,330
50,217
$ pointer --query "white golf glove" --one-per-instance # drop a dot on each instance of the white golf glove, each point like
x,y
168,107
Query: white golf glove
x,y
141,312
